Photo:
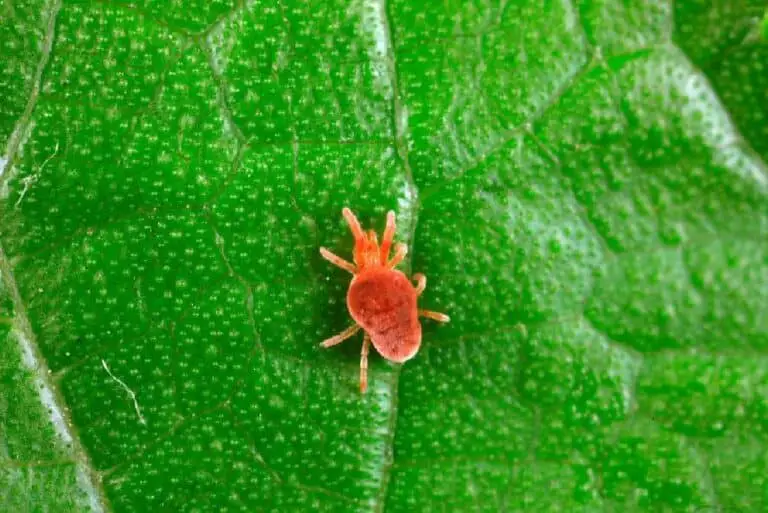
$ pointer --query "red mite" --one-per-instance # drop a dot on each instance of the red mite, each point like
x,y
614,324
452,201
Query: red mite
x,y
380,299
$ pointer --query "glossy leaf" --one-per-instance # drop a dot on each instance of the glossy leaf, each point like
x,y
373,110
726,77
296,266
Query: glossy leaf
x,y
583,183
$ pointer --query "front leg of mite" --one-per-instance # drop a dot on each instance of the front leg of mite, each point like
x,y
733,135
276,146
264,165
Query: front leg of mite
x,y
338,261
386,242
401,250
357,233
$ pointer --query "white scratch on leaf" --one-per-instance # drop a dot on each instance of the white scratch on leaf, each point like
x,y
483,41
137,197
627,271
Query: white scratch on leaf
x,y
29,180
130,392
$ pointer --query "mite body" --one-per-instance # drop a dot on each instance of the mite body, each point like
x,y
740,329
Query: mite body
x,y
381,300
383,303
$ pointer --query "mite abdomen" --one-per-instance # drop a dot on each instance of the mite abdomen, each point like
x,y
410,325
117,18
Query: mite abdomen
x,y
399,345
383,302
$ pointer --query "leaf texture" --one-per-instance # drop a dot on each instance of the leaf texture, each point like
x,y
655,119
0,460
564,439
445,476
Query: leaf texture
x,y
584,184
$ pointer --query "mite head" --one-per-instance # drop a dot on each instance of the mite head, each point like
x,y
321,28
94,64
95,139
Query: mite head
x,y
368,253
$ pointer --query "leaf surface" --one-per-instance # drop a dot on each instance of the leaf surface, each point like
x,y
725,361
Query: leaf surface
x,y
583,183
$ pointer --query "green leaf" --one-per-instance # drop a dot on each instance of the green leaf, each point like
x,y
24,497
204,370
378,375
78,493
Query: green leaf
x,y
583,183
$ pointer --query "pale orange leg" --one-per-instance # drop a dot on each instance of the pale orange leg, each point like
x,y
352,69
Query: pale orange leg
x,y
341,337
357,232
364,363
421,283
435,316
389,234
338,261
400,251
354,224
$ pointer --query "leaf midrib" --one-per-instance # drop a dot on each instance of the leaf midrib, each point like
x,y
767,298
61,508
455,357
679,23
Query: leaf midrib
x,y
21,327
58,413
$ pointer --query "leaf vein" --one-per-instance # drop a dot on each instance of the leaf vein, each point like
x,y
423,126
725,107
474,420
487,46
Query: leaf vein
x,y
38,367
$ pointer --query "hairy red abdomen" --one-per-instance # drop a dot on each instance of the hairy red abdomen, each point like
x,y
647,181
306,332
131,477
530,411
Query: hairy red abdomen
x,y
383,302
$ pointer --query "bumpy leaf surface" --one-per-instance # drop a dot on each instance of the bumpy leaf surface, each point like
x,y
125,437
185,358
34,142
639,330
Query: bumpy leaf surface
x,y
583,182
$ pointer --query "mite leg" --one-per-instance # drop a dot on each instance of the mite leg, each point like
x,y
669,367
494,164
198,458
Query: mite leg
x,y
435,316
364,363
400,251
341,337
338,261
354,224
357,232
421,283
386,241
